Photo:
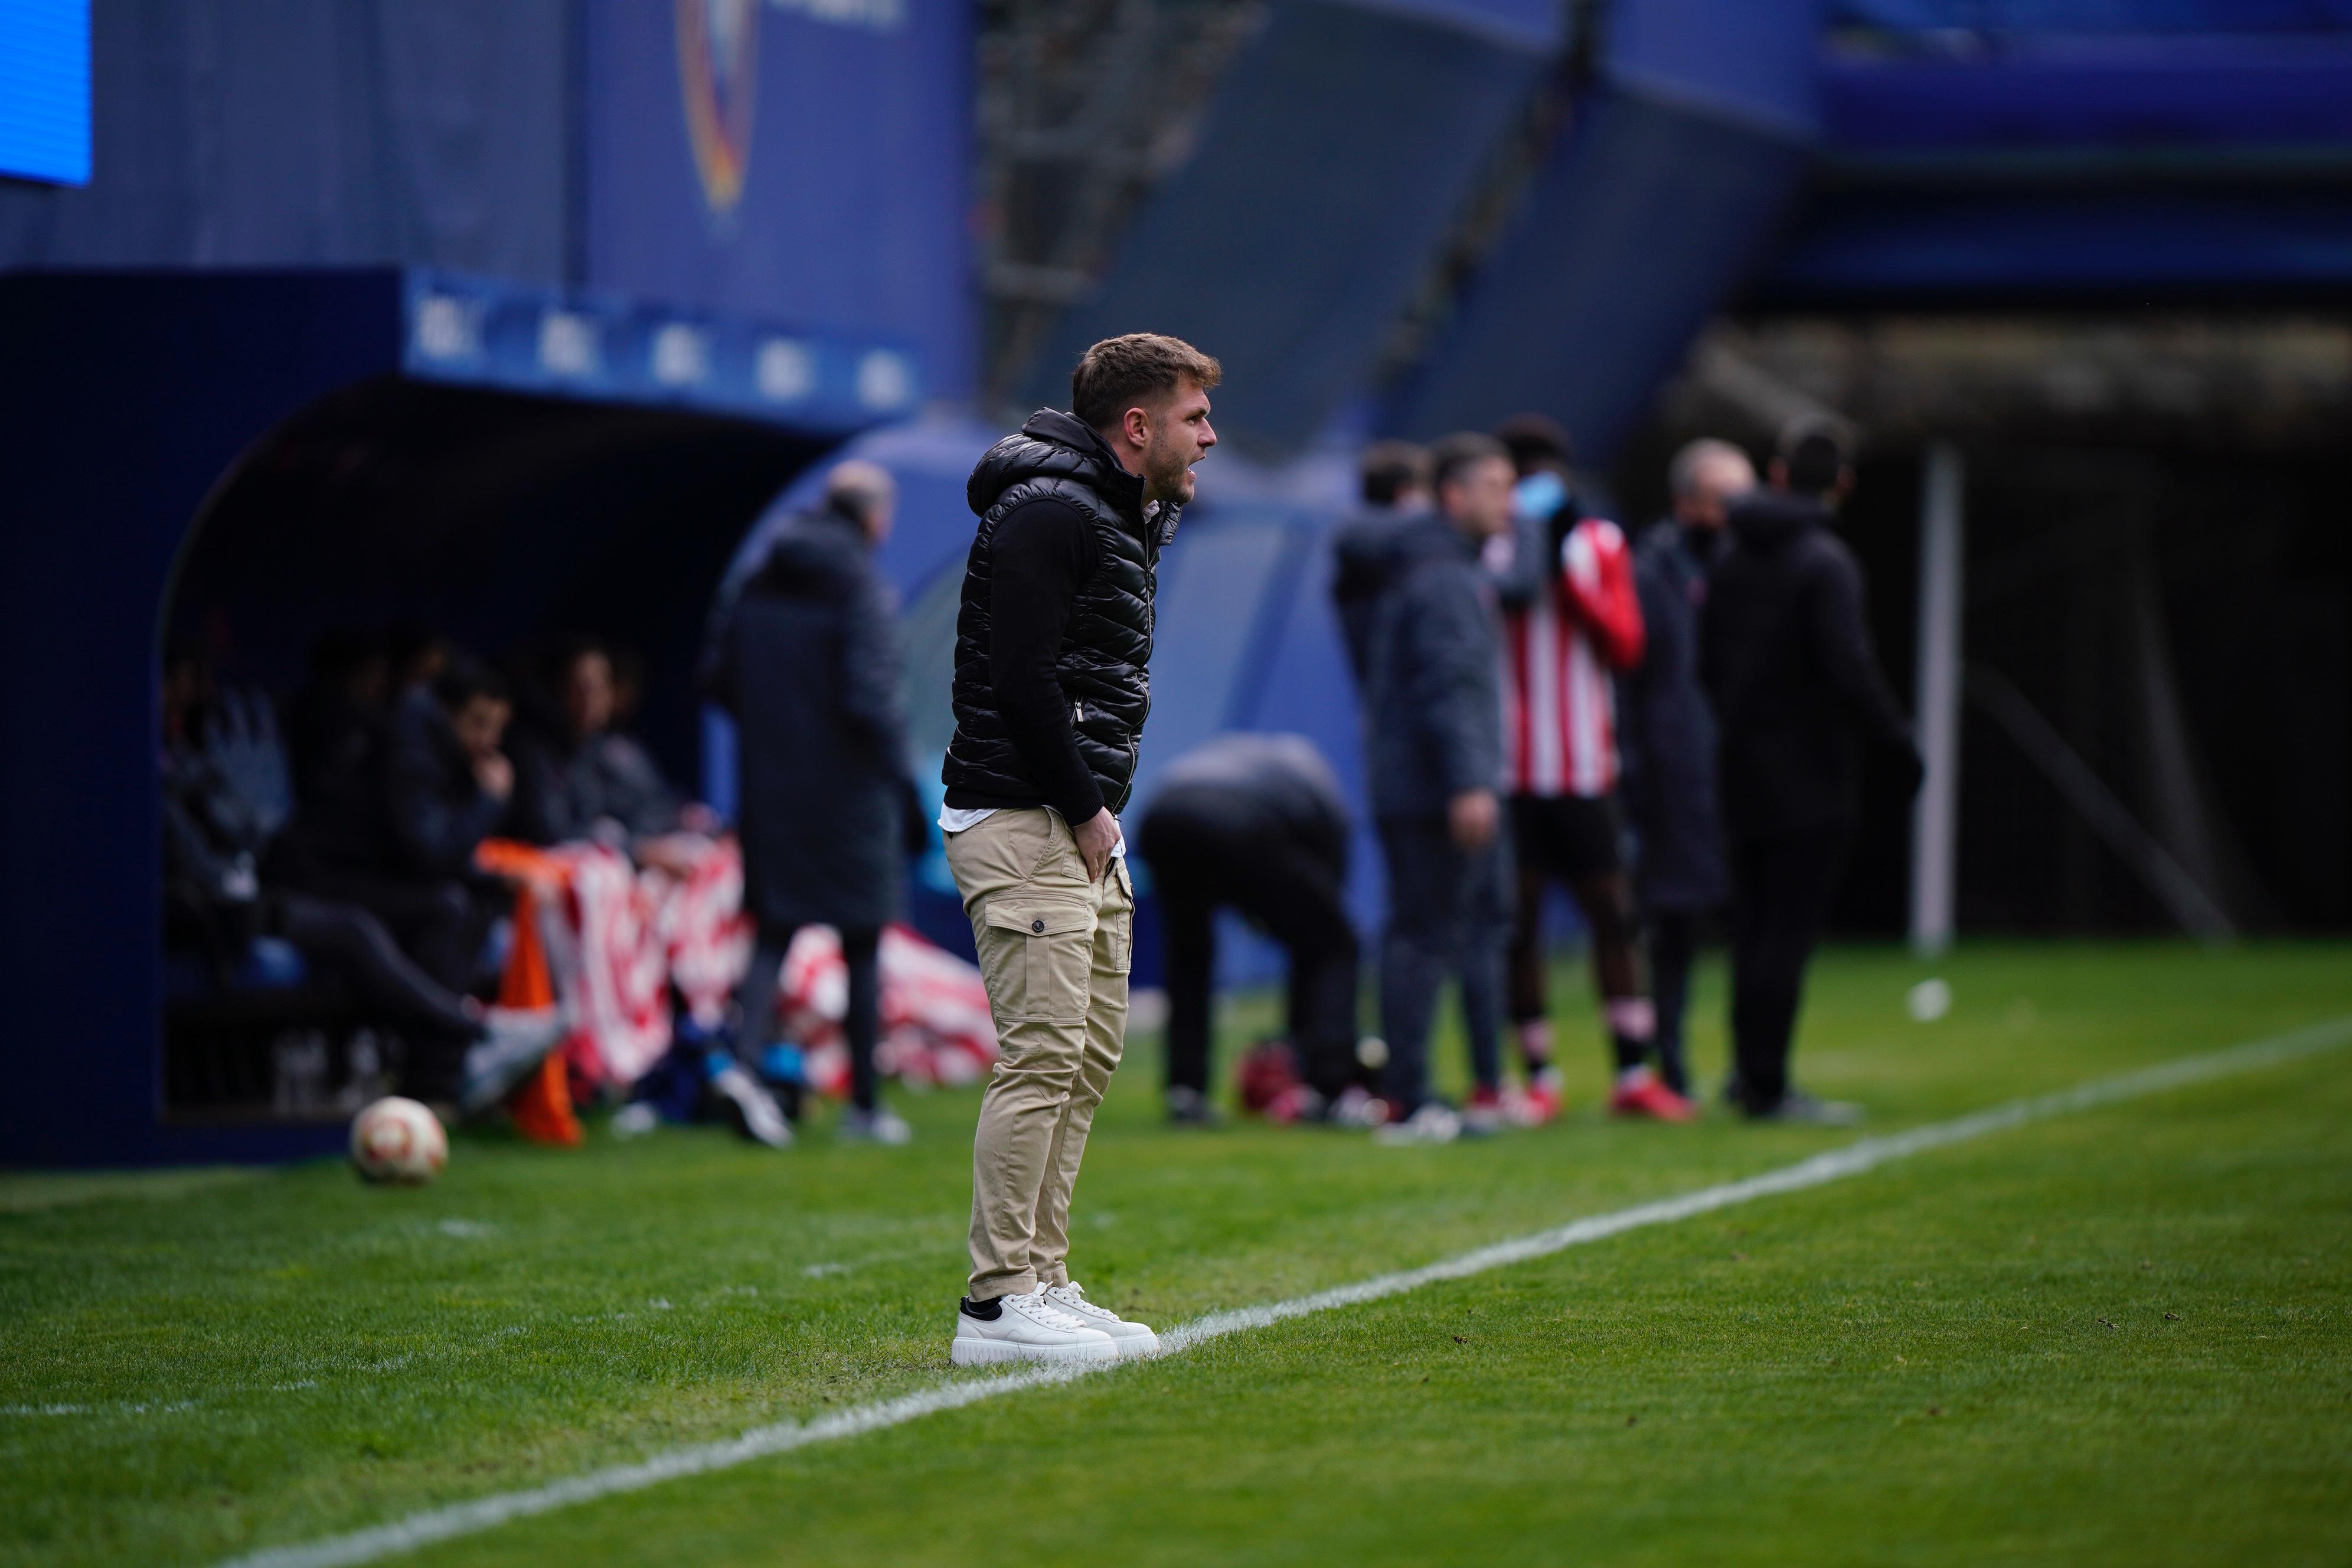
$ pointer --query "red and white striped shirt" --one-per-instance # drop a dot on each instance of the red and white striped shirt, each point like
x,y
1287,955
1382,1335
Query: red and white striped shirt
x,y
1559,713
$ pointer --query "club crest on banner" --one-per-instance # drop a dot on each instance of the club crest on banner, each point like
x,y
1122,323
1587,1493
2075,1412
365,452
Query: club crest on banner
x,y
719,77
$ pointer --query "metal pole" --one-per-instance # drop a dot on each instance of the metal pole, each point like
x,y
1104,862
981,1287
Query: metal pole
x,y
1934,820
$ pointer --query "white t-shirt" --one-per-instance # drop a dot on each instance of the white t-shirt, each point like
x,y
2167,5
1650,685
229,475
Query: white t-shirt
x,y
956,818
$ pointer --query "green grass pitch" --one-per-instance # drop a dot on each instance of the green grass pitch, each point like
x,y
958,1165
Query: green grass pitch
x,y
2122,1336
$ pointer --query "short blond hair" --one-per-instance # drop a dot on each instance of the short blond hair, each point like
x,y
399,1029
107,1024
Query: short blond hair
x,y
1119,374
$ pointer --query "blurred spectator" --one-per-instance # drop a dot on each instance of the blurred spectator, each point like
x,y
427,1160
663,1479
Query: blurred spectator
x,y
221,808
806,658
1394,478
1668,731
1394,481
332,724
397,839
577,776
1785,653
628,685
1256,824
1433,757
416,655
1571,617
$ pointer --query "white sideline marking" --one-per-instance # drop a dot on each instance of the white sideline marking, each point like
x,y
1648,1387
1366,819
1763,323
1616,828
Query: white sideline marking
x,y
420,1529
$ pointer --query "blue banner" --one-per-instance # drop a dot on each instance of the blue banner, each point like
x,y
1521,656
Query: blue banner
x,y
803,162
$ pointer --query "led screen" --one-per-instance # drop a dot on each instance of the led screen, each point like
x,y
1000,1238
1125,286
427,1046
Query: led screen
x,y
45,89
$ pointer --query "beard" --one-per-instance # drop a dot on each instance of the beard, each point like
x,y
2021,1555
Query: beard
x,y
1165,472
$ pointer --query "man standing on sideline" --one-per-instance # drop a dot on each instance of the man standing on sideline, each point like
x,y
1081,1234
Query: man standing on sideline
x,y
1669,733
1786,655
1394,476
1256,824
806,658
1052,683
1434,758
1571,619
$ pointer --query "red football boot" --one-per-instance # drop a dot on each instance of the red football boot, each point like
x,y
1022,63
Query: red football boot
x,y
1641,1093
1539,1103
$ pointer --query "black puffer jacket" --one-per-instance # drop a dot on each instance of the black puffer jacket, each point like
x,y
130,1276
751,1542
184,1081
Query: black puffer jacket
x,y
1104,663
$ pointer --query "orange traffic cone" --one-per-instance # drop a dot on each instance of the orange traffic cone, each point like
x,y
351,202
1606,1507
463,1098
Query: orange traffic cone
x,y
542,1103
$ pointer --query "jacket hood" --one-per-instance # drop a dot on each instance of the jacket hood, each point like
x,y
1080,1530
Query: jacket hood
x,y
1768,518
1055,445
813,551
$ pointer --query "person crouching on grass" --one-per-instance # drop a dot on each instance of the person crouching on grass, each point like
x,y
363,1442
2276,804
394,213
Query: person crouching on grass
x,y
1053,650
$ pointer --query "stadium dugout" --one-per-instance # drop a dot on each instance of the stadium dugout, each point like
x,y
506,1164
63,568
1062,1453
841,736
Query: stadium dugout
x,y
243,460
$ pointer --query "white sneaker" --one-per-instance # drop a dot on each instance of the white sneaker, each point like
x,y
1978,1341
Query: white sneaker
x,y
515,1041
1025,1328
1132,1338
879,1125
751,1108
1435,1122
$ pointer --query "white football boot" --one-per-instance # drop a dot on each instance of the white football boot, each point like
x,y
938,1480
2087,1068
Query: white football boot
x,y
1132,1338
1024,1328
1435,1122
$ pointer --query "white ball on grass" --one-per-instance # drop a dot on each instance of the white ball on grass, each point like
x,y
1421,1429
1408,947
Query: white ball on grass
x,y
398,1141
1929,1000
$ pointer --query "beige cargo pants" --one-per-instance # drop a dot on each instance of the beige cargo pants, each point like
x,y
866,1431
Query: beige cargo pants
x,y
1054,951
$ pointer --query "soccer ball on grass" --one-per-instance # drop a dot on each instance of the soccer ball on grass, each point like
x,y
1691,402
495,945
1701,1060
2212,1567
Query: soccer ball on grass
x,y
398,1141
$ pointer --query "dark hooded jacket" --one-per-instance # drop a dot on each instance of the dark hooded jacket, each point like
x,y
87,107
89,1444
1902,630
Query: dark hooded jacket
x,y
806,658
1432,693
1786,655
1666,728
1050,700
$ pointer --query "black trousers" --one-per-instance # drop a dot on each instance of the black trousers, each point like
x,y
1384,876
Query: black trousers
x,y
1780,894
1673,945
1448,914
441,925
1204,860
861,1025
356,946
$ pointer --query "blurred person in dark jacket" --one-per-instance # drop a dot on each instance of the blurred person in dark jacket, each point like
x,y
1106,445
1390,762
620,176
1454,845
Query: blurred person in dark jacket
x,y
416,656
577,776
1393,477
333,723
397,837
1394,480
1786,655
1256,823
1434,760
806,658
1667,731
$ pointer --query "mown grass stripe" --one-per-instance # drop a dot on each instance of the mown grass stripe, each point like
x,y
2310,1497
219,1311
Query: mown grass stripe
x,y
425,1529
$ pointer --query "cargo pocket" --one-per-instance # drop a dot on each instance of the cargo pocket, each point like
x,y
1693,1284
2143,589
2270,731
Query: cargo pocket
x,y
1119,921
1048,947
